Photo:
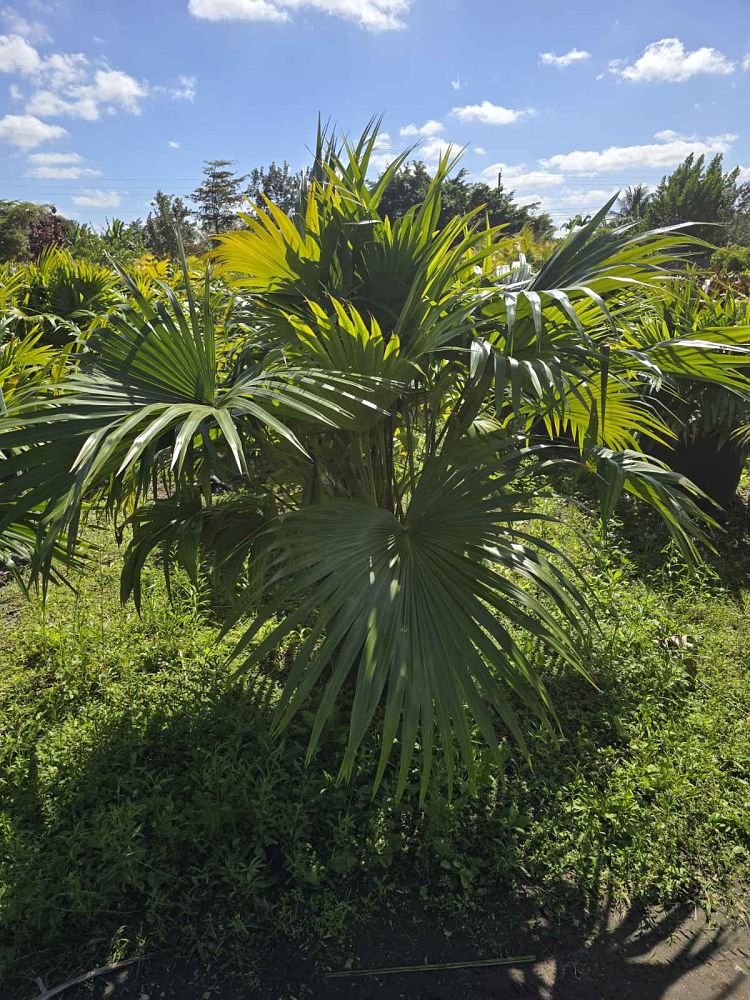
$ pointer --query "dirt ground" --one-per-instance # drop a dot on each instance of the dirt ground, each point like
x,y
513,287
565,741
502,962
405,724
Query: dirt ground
x,y
678,955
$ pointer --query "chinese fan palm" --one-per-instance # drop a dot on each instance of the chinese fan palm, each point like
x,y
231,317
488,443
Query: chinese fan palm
x,y
374,507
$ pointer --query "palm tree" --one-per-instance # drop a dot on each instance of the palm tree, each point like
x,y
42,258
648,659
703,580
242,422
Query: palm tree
x,y
379,441
632,203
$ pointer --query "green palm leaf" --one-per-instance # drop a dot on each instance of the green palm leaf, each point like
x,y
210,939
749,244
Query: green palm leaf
x,y
419,615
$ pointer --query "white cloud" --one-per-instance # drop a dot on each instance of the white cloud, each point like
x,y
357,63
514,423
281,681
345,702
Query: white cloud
x,y
27,132
52,105
584,201
744,175
490,114
480,151
59,166
16,24
385,154
518,177
458,83
63,173
16,94
746,62
68,95
186,90
112,86
98,199
17,56
64,69
429,128
563,61
47,159
670,149
375,15
433,149
667,61
524,200
173,145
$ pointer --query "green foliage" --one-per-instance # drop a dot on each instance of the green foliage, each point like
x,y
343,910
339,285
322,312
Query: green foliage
x,y
633,203
169,216
218,197
21,226
409,186
696,192
63,295
732,260
119,242
391,371
276,183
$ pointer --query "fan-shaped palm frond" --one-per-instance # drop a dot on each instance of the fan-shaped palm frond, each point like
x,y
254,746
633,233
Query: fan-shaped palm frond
x,y
420,614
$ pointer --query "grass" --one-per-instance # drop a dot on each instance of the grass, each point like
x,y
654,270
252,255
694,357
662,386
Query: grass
x,y
146,805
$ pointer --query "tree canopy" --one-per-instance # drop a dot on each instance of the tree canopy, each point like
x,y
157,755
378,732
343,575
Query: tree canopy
x,y
409,186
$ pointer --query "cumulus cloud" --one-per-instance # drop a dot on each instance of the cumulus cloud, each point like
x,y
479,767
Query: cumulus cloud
x,y
27,131
433,149
59,166
429,128
670,149
563,61
375,15
16,24
480,151
519,177
584,201
74,92
73,85
17,56
487,113
668,61
458,83
96,198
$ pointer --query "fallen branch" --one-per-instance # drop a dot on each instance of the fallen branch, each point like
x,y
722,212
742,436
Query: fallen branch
x,y
87,976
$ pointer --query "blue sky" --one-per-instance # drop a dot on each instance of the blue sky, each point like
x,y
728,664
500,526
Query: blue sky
x,y
104,101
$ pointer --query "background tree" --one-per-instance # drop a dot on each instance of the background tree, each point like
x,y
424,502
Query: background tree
x,y
219,197
51,230
277,183
119,241
632,204
17,221
168,211
410,184
699,193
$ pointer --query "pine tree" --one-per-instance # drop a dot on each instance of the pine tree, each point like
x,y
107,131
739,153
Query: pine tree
x,y
219,197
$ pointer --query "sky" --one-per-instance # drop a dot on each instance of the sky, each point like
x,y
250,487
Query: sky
x,y
102,102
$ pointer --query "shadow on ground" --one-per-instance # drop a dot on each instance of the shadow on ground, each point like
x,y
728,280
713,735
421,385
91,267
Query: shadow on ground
x,y
659,956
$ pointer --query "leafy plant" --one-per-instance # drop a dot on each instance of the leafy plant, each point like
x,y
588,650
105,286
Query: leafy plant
x,y
379,439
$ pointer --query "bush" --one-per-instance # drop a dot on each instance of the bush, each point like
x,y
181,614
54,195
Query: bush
x,y
731,259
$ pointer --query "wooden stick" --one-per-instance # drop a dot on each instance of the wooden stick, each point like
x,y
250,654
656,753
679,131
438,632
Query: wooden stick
x,y
439,967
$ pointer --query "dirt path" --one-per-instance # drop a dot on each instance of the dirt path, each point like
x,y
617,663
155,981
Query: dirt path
x,y
665,956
